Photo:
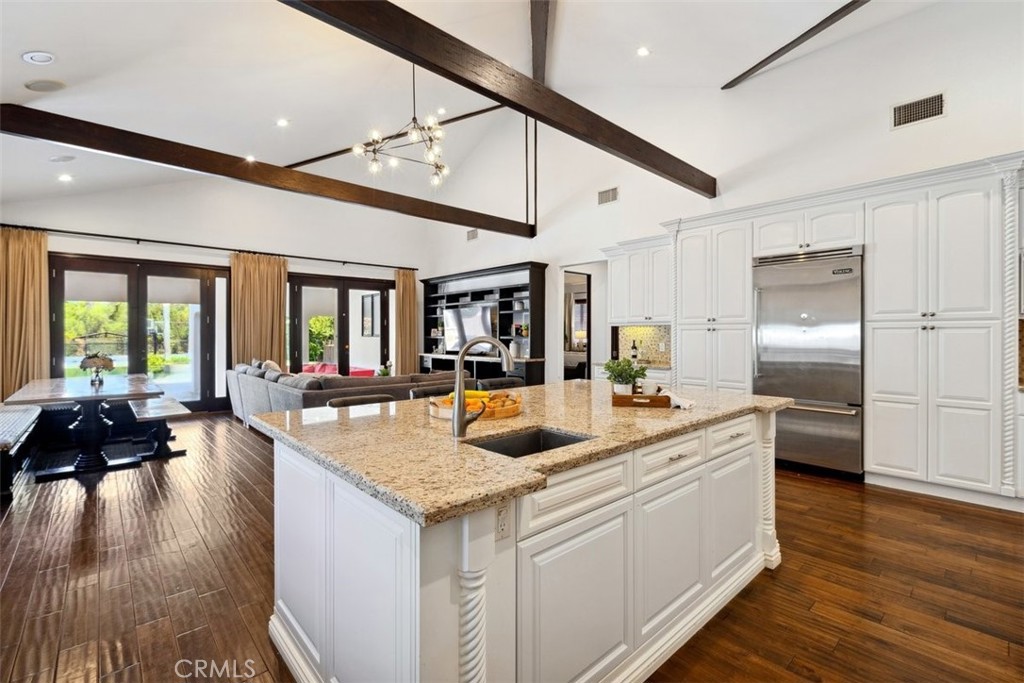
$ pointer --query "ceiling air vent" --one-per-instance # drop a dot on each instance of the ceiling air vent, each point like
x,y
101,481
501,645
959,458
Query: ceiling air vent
x,y
918,110
472,234
608,196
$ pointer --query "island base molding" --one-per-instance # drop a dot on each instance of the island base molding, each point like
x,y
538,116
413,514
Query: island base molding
x,y
991,500
294,657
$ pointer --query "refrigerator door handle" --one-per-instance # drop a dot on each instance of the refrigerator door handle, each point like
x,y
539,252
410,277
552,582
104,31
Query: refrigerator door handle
x,y
828,411
756,337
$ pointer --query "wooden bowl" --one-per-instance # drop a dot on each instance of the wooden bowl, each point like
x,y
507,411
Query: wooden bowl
x,y
441,407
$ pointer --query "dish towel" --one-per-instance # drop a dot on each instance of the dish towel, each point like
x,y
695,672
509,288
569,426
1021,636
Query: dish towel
x,y
678,401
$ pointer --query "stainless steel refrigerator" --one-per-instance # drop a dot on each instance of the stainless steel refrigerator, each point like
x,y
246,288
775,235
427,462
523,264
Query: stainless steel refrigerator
x,y
807,345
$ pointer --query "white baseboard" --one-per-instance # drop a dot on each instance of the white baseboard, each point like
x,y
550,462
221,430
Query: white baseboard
x,y
951,493
294,657
655,652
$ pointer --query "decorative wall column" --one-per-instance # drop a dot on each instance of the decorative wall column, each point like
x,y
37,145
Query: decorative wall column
x,y
1011,308
769,539
477,552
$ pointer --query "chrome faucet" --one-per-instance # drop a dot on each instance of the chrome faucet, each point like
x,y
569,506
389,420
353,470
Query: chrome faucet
x,y
460,419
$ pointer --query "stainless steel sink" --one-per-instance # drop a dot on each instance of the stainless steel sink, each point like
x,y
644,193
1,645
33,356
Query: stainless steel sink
x,y
528,443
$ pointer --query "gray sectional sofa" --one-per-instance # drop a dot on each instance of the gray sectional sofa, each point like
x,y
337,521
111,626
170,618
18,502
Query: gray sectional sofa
x,y
256,390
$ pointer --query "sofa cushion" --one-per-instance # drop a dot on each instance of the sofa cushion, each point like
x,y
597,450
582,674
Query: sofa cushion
x,y
434,377
256,372
301,381
270,365
342,382
275,375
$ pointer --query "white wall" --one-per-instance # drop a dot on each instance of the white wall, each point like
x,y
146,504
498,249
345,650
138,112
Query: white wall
x,y
364,352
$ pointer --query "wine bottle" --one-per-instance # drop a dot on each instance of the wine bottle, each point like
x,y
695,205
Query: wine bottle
x,y
633,351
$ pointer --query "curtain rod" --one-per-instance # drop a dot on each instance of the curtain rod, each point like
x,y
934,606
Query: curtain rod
x,y
140,240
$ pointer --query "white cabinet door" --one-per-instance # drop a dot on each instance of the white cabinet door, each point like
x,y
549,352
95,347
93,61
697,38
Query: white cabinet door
x,y
637,294
694,276
832,227
732,274
575,597
965,245
669,550
896,258
965,410
732,357
300,551
782,234
693,367
618,289
896,405
659,284
732,522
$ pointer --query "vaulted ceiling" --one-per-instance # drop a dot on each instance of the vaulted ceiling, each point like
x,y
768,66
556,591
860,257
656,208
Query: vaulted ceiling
x,y
220,74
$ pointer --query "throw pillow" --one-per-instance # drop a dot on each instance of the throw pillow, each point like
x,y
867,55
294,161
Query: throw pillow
x,y
271,365
272,375
300,382
241,367
256,372
256,363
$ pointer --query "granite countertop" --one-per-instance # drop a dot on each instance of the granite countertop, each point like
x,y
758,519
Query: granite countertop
x,y
480,358
401,456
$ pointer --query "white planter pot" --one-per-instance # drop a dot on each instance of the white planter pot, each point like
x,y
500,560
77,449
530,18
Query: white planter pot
x,y
622,388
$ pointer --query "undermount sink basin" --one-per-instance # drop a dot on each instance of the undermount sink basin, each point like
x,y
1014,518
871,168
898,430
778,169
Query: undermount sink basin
x,y
528,443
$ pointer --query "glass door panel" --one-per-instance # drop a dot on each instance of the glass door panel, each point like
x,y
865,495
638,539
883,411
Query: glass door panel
x,y
174,338
95,320
318,326
364,332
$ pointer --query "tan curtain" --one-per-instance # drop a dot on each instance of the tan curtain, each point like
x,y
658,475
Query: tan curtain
x,y
24,309
406,332
259,284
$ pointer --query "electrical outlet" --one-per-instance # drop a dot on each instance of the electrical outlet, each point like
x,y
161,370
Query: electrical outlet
x,y
502,521
661,346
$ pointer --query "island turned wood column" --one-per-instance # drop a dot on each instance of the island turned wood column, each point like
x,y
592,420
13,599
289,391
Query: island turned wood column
x,y
402,555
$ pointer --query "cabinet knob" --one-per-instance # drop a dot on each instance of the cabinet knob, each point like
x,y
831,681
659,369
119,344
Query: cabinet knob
x,y
709,329
923,314
931,327
931,314
924,327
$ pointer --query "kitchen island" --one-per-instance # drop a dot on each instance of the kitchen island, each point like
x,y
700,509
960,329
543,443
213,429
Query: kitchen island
x,y
401,554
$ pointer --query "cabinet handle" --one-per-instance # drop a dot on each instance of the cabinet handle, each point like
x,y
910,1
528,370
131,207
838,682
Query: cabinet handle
x,y
736,435
931,314
827,411
923,314
678,456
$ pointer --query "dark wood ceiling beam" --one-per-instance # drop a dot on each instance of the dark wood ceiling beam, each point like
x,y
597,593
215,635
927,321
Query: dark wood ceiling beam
x,y
40,125
405,35
541,15
831,19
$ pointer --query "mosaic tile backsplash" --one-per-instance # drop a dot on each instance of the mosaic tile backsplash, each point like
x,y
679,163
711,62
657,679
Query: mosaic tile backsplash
x,y
648,340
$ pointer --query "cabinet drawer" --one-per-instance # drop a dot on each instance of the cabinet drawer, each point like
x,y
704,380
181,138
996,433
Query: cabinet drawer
x,y
730,435
570,494
660,461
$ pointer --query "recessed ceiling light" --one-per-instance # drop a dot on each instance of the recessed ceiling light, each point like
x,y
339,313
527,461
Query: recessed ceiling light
x,y
441,111
393,162
283,123
642,51
65,177
45,86
62,159
250,158
38,57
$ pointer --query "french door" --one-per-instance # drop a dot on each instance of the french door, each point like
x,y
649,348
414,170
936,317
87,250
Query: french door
x,y
166,320
339,325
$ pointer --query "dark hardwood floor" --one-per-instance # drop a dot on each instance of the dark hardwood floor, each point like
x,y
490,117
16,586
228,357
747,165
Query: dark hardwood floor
x,y
118,580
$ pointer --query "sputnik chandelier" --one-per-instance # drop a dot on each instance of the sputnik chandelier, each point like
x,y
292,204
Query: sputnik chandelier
x,y
381,148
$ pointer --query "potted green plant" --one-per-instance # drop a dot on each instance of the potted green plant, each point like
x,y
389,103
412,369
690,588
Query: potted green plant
x,y
623,375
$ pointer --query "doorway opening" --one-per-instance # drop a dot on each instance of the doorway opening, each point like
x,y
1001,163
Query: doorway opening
x,y
576,327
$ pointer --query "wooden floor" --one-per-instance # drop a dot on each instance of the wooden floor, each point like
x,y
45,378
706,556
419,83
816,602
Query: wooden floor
x,y
119,581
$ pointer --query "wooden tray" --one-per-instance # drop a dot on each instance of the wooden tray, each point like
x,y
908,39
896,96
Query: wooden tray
x,y
641,401
445,412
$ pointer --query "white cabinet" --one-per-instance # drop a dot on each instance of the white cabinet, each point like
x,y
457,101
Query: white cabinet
x,y
934,254
670,554
714,356
640,282
933,409
823,227
576,597
732,515
714,274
